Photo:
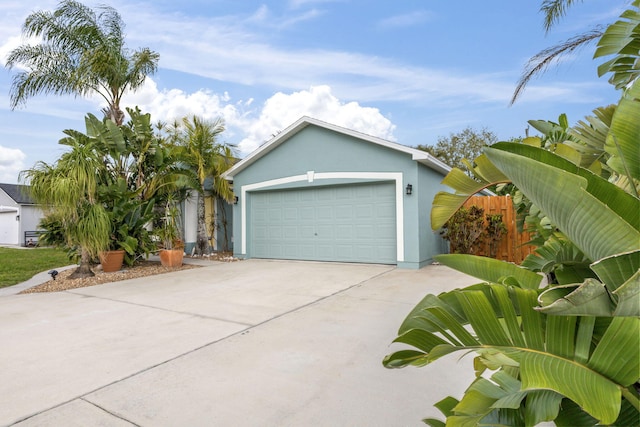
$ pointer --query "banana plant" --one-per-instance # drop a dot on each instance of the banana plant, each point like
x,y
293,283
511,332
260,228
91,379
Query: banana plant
x,y
539,361
621,39
577,368
567,351
576,343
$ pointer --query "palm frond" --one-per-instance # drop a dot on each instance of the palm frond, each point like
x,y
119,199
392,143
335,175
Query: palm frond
x,y
539,63
554,10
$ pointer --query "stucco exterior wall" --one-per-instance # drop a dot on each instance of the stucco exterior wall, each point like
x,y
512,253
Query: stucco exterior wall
x,y
317,156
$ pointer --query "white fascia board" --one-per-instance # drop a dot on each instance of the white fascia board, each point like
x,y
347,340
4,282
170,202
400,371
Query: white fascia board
x,y
417,155
265,148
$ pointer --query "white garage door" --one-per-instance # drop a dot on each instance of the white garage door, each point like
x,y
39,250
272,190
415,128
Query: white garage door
x,y
9,228
348,223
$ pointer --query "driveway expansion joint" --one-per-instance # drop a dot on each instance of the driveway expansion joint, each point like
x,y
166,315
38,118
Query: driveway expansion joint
x,y
187,313
108,412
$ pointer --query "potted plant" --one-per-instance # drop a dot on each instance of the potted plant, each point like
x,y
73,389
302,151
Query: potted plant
x,y
128,237
172,252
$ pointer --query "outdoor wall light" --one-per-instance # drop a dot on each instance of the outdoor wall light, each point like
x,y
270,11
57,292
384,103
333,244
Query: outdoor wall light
x,y
235,200
409,189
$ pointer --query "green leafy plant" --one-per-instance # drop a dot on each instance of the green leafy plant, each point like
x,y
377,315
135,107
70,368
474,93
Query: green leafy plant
x,y
464,229
104,189
469,229
494,232
168,230
576,343
568,352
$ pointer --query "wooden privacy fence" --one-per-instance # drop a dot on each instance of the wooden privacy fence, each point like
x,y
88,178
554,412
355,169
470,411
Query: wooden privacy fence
x,y
512,247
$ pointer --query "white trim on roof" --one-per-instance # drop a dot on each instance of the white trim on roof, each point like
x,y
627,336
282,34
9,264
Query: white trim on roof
x,y
417,155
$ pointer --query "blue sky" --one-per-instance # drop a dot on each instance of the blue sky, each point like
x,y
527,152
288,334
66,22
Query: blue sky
x,y
408,71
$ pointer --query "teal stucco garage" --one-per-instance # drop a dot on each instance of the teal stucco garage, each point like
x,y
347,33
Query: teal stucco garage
x,y
321,192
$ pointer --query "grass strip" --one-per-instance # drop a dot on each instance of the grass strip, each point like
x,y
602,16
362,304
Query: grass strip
x,y
19,265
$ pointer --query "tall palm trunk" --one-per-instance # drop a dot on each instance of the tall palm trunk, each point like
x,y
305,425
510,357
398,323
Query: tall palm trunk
x,y
202,244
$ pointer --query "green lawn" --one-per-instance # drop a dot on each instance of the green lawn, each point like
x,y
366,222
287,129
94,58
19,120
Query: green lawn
x,y
18,265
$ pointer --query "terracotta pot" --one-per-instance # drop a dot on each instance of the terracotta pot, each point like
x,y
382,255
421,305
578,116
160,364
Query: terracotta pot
x,y
171,257
111,260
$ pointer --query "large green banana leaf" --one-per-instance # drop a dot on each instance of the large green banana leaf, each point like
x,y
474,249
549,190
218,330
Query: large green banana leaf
x,y
446,204
621,39
590,136
623,141
622,203
487,174
591,212
617,295
594,363
559,255
489,269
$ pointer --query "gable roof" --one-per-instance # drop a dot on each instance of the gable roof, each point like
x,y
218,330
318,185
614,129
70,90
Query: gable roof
x,y
19,193
417,155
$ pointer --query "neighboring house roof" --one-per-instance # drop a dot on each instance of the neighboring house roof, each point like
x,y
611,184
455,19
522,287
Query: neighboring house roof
x,y
19,193
417,155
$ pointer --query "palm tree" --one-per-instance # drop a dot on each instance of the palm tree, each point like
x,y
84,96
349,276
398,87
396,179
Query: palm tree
x,y
199,149
553,11
70,188
82,52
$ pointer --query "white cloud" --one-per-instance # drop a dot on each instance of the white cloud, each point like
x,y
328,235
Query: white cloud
x,y
10,44
253,126
295,4
405,20
11,163
282,110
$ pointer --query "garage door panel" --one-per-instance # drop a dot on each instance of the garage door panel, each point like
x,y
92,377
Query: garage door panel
x,y
386,232
305,252
261,233
290,232
289,251
325,252
306,213
344,213
350,223
385,210
290,214
325,213
306,232
326,231
344,232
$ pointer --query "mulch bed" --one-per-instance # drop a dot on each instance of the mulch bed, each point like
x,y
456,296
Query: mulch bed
x,y
139,269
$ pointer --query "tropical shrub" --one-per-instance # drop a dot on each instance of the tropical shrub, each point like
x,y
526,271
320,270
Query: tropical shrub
x,y
464,229
494,232
568,352
104,189
470,229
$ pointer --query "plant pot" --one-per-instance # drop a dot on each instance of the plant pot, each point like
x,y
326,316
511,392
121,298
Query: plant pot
x,y
171,257
111,260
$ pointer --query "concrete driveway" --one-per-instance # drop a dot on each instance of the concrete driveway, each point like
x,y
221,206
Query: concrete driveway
x,y
251,343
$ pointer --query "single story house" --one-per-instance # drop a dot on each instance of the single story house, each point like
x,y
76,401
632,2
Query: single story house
x,y
318,191
18,214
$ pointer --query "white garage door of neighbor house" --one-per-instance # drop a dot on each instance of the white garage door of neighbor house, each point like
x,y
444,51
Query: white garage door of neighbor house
x,y
348,223
9,228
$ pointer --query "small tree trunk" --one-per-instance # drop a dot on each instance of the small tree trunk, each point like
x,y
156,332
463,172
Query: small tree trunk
x,y
84,270
202,244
